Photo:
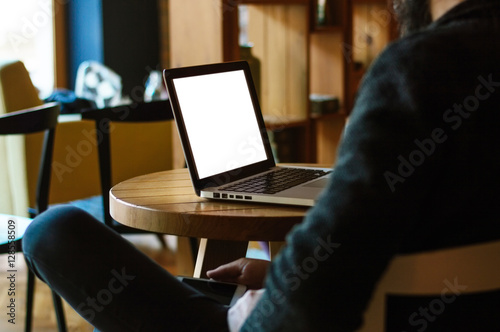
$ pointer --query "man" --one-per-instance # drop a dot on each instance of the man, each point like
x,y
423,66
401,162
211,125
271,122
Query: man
x,y
416,171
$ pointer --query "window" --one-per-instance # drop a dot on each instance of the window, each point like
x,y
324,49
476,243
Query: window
x,y
26,34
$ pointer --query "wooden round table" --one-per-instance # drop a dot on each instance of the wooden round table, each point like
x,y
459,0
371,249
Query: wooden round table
x,y
165,202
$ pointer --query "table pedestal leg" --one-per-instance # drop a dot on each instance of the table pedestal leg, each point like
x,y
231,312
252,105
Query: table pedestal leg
x,y
213,253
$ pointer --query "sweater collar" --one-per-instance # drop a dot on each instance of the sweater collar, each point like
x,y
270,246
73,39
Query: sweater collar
x,y
469,9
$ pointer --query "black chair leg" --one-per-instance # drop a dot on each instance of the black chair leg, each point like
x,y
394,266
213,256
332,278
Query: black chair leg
x,y
29,300
58,307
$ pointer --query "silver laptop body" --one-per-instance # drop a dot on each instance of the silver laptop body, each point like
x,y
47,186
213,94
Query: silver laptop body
x,y
225,140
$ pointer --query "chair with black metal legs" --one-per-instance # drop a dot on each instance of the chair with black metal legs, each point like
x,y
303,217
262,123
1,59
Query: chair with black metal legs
x,y
37,119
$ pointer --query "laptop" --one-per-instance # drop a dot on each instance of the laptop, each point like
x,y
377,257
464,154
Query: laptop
x,y
225,141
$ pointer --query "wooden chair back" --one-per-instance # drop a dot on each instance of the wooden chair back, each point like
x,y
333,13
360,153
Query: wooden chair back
x,y
31,120
440,274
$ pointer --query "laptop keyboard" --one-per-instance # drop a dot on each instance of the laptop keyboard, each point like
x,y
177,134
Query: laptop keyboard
x,y
275,181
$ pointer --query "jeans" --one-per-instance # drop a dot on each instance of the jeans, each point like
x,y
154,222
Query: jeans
x,y
110,283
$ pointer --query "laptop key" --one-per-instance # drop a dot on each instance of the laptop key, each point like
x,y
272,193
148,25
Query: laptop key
x,y
276,181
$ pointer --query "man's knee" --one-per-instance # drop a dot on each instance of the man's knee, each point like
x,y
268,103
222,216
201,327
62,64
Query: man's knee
x,y
49,229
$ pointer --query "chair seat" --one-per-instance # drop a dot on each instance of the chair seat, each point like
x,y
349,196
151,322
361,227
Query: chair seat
x,y
92,205
95,207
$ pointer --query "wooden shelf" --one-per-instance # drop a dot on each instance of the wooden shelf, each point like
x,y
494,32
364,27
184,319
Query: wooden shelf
x,y
297,57
368,2
273,123
337,115
268,2
327,28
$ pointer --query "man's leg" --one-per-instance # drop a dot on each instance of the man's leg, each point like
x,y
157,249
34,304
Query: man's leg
x,y
108,281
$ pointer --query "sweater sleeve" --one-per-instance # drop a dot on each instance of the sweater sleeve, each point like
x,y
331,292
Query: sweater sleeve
x,y
323,279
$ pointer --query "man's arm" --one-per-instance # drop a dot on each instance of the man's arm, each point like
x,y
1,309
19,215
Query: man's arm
x,y
323,278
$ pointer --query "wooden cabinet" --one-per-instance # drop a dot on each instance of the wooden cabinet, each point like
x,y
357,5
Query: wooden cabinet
x,y
342,49
300,52
369,28
279,34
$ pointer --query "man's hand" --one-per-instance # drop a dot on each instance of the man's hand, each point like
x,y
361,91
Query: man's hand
x,y
245,271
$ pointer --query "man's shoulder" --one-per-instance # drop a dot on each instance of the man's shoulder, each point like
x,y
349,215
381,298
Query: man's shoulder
x,y
424,55
441,43
418,47
405,61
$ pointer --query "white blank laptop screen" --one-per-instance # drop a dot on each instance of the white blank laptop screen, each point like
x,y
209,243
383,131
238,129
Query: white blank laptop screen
x,y
220,122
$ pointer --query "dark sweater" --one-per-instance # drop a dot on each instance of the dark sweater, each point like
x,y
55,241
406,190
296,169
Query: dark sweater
x,y
418,170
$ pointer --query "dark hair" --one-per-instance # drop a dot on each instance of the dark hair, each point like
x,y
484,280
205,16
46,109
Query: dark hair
x,y
412,15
